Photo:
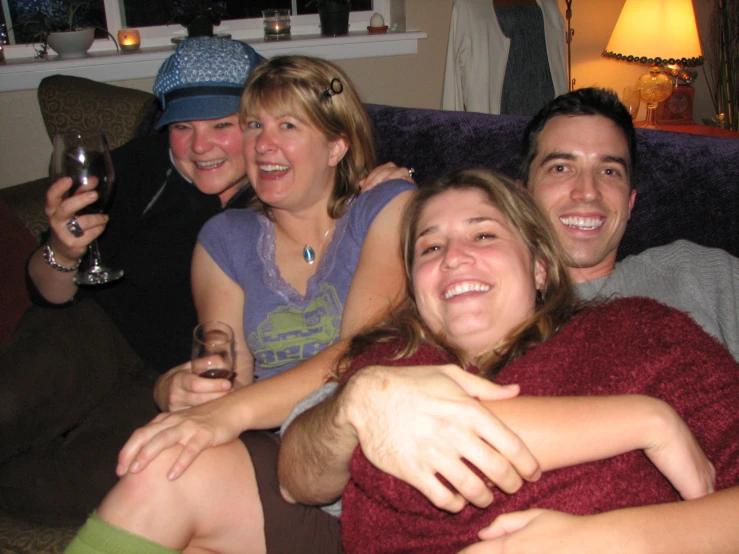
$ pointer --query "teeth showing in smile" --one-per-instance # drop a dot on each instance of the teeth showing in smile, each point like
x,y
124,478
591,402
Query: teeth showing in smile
x,y
582,223
462,288
208,165
274,167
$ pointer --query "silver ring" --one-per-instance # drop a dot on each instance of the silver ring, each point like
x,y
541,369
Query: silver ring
x,y
74,227
411,172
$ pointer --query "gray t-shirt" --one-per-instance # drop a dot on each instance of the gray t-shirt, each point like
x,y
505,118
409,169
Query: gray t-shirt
x,y
703,282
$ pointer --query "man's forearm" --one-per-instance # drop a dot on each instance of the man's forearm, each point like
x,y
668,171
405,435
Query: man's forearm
x,y
313,467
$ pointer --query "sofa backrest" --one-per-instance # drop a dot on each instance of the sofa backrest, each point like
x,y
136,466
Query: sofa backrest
x,y
688,185
70,103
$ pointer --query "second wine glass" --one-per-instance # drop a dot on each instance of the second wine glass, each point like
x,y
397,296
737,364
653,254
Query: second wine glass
x,y
213,355
85,158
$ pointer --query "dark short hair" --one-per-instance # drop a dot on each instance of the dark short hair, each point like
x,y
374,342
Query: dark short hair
x,y
584,101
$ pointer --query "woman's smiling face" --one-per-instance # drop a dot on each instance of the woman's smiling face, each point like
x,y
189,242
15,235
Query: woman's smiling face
x,y
474,279
209,152
290,163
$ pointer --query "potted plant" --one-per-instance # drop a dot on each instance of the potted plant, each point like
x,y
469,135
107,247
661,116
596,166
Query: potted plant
x,y
199,16
68,28
334,16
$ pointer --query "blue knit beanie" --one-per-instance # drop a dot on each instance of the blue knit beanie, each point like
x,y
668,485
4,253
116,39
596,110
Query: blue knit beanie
x,y
203,79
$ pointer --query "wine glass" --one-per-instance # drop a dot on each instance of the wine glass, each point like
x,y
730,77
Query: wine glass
x,y
213,350
631,98
85,157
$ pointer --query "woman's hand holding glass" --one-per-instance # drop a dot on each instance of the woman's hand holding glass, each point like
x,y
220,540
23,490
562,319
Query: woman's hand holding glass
x,y
180,388
208,376
85,159
60,208
196,419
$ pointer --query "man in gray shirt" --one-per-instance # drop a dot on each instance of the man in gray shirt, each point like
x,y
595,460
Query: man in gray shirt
x,y
578,164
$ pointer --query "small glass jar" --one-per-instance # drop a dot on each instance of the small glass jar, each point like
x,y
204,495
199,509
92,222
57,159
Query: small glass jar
x,y
129,40
276,24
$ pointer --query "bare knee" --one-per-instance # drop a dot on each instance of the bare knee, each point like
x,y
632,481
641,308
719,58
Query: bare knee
x,y
136,492
207,505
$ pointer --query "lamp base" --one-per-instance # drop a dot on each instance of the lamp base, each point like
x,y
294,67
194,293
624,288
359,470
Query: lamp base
x,y
650,122
678,108
654,88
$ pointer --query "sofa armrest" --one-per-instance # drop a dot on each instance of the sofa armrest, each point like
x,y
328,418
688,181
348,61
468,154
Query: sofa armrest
x,y
27,202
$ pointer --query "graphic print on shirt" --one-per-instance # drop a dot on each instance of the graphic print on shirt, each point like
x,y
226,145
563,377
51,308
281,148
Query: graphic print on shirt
x,y
289,335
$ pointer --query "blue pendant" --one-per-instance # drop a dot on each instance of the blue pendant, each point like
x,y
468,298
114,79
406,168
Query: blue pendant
x,y
309,255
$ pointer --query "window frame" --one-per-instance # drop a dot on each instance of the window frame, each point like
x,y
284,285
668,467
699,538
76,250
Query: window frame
x,y
240,29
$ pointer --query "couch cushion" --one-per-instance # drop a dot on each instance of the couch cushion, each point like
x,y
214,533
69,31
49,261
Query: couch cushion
x,y
20,537
74,103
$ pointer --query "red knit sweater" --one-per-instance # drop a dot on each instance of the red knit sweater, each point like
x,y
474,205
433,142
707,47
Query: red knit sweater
x,y
628,346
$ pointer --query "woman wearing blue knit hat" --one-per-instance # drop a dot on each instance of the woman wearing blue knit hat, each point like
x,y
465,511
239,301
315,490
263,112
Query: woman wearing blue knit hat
x,y
169,184
78,395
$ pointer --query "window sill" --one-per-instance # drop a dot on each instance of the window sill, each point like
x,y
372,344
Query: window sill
x,y
26,73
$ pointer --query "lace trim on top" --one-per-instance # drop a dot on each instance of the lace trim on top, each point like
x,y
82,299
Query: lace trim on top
x,y
272,277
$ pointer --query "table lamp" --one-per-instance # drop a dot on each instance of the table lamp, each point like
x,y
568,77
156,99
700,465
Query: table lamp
x,y
656,33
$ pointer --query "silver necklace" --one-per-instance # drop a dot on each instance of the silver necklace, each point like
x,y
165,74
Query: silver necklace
x,y
309,255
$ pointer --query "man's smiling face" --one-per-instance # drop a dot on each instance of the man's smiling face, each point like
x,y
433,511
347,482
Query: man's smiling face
x,y
580,181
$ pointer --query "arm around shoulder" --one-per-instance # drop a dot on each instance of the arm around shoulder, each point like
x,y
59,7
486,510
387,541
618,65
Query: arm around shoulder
x,y
565,431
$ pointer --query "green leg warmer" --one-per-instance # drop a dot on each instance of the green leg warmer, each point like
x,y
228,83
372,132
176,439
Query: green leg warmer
x,y
99,537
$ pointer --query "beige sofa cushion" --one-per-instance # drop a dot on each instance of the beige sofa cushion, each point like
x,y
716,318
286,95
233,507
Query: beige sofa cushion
x,y
77,104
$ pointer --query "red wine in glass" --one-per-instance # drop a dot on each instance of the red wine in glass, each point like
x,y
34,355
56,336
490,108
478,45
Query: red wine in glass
x,y
218,373
213,352
85,158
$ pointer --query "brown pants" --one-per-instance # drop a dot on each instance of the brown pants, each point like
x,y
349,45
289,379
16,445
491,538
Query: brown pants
x,y
71,393
288,528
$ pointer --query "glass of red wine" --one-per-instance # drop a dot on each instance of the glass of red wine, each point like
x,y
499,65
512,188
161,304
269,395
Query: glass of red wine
x,y
85,157
213,350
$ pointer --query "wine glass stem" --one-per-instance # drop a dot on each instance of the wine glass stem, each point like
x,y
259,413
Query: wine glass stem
x,y
94,256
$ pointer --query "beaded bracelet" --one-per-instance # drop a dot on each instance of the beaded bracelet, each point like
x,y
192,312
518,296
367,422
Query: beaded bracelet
x,y
53,264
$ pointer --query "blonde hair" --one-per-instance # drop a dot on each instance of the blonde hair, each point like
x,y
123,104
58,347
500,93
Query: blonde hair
x,y
556,302
300,84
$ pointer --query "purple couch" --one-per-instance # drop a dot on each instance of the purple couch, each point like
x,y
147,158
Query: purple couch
x,y
688,185
688,188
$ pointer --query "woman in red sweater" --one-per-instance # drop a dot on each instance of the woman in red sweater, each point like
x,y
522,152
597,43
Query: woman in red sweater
x,y
488,292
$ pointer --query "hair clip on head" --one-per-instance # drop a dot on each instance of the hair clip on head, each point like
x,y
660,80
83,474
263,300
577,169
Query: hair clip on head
x,y
334,87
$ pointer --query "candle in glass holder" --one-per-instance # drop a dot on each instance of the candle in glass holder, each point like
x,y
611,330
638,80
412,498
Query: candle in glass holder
x,y
129,39
276,24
